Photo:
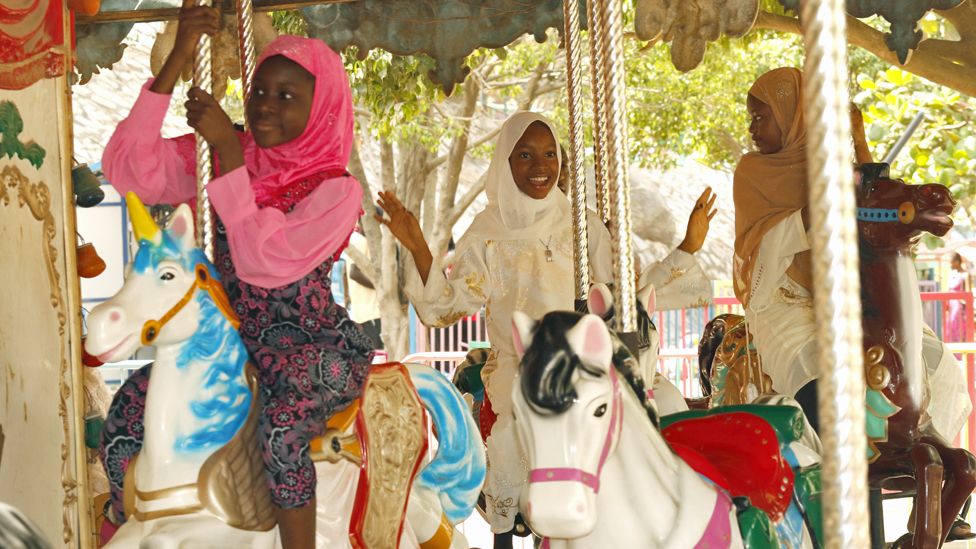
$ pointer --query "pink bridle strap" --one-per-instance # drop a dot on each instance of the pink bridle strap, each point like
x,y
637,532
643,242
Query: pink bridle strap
x,y
564,474
569,474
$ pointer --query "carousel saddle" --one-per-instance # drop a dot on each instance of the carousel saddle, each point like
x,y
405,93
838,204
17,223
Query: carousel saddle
x,y
747,459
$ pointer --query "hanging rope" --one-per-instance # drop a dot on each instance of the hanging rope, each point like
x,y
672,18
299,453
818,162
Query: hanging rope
x,y
613,101
837,302
203,79
245,36
596,25
577,176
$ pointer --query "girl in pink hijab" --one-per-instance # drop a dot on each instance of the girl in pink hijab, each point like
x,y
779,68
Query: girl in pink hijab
x,y
286,207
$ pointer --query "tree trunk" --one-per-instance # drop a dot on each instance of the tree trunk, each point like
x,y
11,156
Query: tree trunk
x,y
395,321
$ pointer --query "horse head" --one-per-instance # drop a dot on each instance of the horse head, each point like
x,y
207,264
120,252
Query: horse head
x,y
893,214
570,413
158,303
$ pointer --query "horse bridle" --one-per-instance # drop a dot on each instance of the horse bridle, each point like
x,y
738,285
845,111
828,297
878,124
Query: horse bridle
x,y
570,474
202,281
904,214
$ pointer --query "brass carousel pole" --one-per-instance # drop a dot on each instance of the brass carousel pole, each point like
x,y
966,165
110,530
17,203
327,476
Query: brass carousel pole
x,y
577,176
203,79
837,302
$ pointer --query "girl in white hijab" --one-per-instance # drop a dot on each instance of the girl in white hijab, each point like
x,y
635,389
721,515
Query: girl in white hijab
x,y
518,255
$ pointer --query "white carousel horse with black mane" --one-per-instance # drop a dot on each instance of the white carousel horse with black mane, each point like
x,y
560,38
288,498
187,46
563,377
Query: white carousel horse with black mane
x,y
601,473
199,480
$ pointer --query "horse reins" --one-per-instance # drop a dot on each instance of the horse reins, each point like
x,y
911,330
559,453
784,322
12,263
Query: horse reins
x,y
202,281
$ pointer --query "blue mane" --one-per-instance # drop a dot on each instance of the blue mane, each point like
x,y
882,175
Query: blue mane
x,y
215,342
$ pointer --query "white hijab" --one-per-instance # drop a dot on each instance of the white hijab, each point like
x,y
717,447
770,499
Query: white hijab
x,y
512,214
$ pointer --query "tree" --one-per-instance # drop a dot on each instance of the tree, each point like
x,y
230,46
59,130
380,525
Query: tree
x,y
947,58
943,149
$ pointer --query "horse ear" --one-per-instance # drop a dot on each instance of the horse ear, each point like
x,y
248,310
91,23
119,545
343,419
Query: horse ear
x,y
600,300
522,328
648,298
181,226
591,341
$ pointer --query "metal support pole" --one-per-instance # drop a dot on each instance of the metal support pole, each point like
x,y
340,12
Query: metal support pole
x,y
837,302
245,36
596,26
577,175
616,161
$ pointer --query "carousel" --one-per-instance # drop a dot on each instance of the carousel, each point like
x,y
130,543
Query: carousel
x,y
623,461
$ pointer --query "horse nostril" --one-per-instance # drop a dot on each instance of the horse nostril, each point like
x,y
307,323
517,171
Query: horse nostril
x,y
115,316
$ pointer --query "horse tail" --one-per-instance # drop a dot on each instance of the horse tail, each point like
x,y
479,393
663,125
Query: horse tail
x,y
457,472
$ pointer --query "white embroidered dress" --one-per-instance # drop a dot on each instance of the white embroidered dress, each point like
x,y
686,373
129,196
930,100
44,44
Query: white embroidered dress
x,y
781,322
521,258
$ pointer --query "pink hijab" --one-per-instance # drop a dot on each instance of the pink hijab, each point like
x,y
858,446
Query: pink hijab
x,y
321,152
323,148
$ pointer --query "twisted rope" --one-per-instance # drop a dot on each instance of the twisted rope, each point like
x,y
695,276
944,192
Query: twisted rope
x,y
203,79
577,176
596,25
245,36
616,159
837,302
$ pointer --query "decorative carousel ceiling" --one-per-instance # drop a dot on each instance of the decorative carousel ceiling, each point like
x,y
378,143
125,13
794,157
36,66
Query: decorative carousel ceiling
x,y
446,30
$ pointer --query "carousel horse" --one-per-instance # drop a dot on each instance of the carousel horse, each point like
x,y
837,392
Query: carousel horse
x,y
199,477
891,218
603,475
662,394
729,368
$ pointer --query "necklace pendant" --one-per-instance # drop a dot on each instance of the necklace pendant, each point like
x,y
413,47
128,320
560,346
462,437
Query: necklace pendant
x,y
548,255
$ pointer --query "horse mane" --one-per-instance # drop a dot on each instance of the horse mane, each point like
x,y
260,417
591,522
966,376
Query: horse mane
x,y
216,342
627,364
549,364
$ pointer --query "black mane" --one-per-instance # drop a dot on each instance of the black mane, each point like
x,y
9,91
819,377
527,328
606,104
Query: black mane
x,y
549,364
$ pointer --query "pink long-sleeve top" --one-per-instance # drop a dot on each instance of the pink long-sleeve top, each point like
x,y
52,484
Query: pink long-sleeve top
x,y
270,248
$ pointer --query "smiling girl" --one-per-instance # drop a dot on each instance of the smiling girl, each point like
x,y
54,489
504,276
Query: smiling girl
x,y
518,255
286,207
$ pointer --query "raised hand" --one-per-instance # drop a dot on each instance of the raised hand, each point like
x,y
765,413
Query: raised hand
x,y
205,115
195,21
402,223
698,222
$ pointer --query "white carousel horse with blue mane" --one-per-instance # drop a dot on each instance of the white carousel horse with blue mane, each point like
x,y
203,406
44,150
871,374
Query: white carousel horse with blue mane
x,y
198,480
601,474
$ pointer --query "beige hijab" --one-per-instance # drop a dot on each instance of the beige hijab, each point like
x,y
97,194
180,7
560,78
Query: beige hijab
x,y
767,188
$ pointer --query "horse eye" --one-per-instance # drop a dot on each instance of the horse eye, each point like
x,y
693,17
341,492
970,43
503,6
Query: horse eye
x,y
600,411
167,276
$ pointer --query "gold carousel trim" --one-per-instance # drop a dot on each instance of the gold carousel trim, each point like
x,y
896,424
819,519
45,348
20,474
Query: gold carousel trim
x,y
37,198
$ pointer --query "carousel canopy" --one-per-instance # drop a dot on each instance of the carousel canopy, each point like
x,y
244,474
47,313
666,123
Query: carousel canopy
x,y
449,30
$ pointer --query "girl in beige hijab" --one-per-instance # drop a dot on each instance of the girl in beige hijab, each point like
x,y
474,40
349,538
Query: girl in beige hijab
x,y
771,268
